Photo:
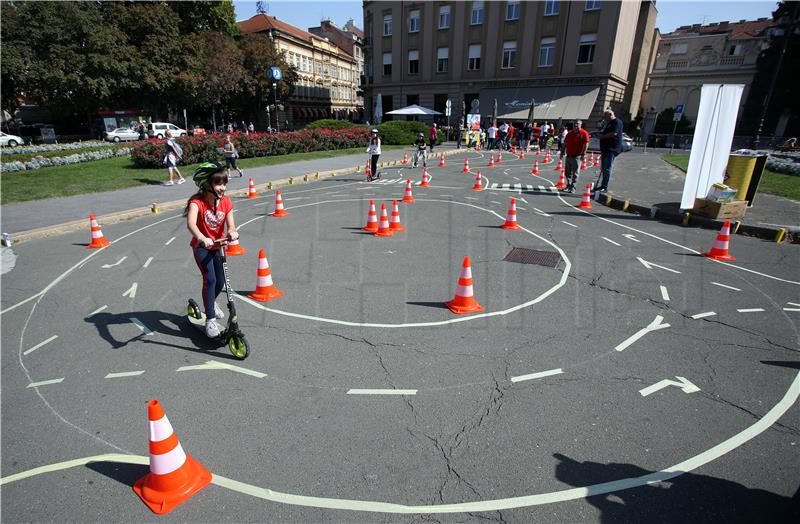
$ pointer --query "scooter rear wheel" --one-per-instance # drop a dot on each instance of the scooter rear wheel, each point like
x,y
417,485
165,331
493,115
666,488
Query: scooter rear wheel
x,y
239,346
193,309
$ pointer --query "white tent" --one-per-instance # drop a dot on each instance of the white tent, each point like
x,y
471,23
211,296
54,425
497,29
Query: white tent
x,y
414,109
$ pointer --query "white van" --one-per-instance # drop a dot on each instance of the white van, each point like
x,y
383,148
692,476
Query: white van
x,y
159,130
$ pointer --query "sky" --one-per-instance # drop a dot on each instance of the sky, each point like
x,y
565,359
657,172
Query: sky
x,y
671,13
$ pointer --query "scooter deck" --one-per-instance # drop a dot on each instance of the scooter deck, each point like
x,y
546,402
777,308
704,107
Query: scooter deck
x,y
200,323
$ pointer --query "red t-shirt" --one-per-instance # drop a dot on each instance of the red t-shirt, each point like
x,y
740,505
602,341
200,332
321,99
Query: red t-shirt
x,y
211,225
575,142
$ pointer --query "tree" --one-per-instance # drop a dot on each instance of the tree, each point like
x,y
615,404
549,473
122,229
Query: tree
x,y
257,55
665,122
200,16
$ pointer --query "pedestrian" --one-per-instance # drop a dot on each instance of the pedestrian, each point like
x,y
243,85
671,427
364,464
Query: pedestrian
x,y
492,135
525,137
575,145
502,135
421,151
432,136
208,214
172,155
460,135
242,127
230,128
230,157
610,146
251,128
141,129
374,149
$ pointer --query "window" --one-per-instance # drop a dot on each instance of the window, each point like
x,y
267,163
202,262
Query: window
x,y
512,10
444,17
477,13
413,62
442,55
735,50
387,64
678,49
586,49
474,62
547,52
592,5
509,55
551,7
387,25
413,21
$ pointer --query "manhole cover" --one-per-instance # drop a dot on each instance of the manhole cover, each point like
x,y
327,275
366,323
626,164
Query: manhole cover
x,y
532,256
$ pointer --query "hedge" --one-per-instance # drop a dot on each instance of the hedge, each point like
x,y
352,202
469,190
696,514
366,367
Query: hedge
x,y
330,123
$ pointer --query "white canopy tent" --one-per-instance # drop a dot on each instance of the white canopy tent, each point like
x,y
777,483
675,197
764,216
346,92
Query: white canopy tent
x,y
414,109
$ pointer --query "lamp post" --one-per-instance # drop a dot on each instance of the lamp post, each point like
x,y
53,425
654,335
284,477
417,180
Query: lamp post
x,y
271,75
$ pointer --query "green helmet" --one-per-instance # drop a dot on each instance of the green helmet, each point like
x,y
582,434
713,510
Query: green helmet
x,y
205,170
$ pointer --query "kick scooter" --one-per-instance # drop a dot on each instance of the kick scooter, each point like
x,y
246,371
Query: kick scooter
x,y
231,335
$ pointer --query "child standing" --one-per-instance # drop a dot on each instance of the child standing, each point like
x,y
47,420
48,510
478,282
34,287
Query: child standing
x,y
208,213
421,152
374,149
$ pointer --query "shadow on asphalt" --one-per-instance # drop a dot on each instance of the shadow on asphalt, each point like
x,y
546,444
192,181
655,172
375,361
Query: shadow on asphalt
x,y
782,363
150,182
123,473
439,305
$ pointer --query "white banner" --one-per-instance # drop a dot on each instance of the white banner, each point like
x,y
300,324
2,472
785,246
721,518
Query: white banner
x,y
713,136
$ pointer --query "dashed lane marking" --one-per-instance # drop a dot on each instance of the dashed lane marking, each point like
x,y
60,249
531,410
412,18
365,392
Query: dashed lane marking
x,y
567,223
791,309
725,286
147,262
141,326
382,392
655,325
40,344
131,291
45,383
540,374
213,365
703,315
124,374
664,293
792,304
98,310
168,242
751,310
610,241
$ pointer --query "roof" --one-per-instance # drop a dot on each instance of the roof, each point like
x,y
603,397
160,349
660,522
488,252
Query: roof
x,y
350,27
740,30
263,22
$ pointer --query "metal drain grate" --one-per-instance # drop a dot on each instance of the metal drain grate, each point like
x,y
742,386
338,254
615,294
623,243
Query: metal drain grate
x,y
531,256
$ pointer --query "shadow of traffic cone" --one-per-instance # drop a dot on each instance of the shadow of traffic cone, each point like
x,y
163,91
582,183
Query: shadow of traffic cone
x,y
174,476
511,217
535,170
491,160
586,201
234,249
719,251
372,219
478,186
441,161
405,159
394,221
561,182
464,301
466,165
425,178
265,288
251,190
408,198
97,239
384,230
279,212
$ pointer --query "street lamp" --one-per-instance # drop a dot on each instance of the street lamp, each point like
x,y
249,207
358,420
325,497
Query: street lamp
x,y
274,75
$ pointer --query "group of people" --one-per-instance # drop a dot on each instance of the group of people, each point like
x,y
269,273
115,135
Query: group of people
x,y
173,154
420,153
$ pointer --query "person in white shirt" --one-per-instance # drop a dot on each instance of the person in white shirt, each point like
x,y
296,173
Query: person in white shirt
x,y
374,149
492,135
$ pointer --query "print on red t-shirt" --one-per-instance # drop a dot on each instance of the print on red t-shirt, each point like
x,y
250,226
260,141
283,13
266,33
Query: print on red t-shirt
x,y
210,224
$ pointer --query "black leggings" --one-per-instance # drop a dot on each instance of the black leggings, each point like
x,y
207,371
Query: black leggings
x,y
375,164
210,265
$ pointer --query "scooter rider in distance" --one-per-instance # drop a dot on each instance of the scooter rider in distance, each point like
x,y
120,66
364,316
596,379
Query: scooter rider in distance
x,y
421,151
374,150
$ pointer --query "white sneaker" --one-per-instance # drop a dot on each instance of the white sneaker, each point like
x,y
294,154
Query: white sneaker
x,y
218,311
212,329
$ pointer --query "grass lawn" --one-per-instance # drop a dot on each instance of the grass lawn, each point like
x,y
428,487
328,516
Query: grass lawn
x,y
111,174
773,183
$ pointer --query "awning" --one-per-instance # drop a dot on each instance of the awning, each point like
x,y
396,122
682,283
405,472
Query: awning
x,y
552,102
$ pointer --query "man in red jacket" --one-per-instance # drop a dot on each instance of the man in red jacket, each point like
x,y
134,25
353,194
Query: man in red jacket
x,y
576,143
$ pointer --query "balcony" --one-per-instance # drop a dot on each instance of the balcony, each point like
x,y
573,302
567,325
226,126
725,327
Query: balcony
x,y
674,65
731,60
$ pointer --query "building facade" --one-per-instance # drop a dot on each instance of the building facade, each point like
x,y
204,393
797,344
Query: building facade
x,y
328,76
573,58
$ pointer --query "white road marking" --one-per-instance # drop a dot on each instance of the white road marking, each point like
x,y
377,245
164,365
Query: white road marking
x,y
567,223
655,325
446,196
541,374
751,310
684,384
124,374
118,262
792,304
382,392
496,202
169,241
629,236
791,309
610,241
523,198
213,365
40,344
141,326
96,311
650,265
131,291
147,262
515,178
664,293
45,383
726,287
471,198
703,315
541,212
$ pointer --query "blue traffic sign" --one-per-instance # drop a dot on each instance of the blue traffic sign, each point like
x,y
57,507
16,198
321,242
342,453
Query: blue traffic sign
x,y
679,108
274,74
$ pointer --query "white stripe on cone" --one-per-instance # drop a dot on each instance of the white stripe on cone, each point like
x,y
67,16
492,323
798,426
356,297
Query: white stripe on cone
x,y
160,429
167,462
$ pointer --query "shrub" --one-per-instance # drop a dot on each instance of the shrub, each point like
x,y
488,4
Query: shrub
x,y
401,132
330,123
787,163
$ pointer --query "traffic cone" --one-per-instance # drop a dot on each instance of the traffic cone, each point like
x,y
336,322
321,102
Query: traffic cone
x,y
464,301
251,190
583,164
478,186
511,217
466,165
586,201
405,159
441,161
279,211
538,151
98,240
547,157
408,198
372,219
719,251
491,160
559,166
561,182
265,289
233,249
597,160
522,154
535,170
499,157
368,170
174,476
394,222
384,230
425,178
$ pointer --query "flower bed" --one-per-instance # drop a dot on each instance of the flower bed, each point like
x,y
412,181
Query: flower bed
x,y
55,147
787,163
205,148
39,162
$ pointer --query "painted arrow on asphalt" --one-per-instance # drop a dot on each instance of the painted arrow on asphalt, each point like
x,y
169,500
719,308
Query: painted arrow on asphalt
x,y
118,262
684,384
650,265
631,237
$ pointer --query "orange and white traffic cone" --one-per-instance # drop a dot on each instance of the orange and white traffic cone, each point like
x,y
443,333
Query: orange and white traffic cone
x,y
535,170
372,219
368,169
265,289
384,230
408,198
562,184
547,157
441,161
478,185
538,151
174,475
719,251
425,178
251,190
583,164
466,165
464,301
491,160
597,160
394,222
511,217
98,240
522,154
586,201
405,159
234,249
559,166
279,210
499,157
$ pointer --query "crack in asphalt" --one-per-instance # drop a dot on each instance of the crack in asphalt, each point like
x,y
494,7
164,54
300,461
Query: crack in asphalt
x,y
775,427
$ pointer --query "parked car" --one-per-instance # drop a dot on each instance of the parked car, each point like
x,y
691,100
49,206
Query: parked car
x,y
159,130
10,140
594,142
197,131
122,133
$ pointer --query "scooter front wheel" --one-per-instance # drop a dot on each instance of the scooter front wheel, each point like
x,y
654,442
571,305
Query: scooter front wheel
x,y
239,346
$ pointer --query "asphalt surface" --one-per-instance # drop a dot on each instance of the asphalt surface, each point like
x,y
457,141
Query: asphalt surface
x,y
635,381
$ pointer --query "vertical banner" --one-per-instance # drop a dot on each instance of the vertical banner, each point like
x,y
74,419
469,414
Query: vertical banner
x,y
713,136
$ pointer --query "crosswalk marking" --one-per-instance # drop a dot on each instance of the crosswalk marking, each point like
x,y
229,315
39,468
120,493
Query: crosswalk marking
x,y
521,187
